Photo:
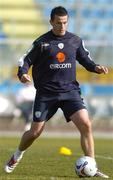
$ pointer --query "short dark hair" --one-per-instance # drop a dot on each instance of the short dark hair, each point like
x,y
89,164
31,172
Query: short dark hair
x,y
60,11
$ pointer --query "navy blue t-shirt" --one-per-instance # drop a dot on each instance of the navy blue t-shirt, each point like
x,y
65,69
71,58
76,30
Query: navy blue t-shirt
x,y
53,60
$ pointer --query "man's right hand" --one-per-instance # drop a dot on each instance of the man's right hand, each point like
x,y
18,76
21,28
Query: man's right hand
x,y
25,78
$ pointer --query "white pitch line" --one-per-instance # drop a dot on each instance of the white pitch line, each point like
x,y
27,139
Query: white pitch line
x,y
104,157
99,156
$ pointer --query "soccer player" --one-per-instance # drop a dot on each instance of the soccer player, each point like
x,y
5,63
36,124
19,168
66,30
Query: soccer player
x,y
53,59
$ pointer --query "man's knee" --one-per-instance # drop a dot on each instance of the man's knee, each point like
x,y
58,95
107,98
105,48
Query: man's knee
x,y
36,129
86,126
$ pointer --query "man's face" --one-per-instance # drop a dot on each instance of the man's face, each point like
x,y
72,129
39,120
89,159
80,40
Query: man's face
x,y
59,25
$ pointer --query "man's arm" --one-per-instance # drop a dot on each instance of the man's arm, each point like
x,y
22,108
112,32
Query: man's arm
x,y
25,63
85,60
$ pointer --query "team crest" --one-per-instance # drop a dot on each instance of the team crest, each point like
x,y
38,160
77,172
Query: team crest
x,y
37,114
61,45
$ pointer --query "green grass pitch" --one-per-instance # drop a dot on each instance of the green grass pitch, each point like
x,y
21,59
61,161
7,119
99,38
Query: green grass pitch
x,y
44,162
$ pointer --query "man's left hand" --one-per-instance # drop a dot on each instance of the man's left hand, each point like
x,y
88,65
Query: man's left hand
x,y
101,69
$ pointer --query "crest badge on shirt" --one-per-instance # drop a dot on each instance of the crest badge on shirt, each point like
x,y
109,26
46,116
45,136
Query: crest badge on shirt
x,y
61,45
37,114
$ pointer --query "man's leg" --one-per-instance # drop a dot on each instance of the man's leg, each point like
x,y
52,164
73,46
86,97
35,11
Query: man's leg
x,y
29,136
83,123
26,141
81,120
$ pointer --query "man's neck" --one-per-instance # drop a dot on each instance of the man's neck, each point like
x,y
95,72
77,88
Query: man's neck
x,y
55,34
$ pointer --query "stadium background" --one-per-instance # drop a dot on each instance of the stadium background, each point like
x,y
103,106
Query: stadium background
x,y
22,21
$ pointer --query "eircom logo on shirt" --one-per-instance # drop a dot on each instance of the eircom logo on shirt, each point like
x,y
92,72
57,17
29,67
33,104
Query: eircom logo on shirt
x,y
61,57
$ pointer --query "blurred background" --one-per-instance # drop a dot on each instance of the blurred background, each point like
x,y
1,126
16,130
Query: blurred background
x,y
21,22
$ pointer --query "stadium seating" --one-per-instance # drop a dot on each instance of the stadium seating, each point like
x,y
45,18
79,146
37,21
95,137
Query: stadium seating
x,y
19,15
109,13
88,16
17,2
21,19
23,31
87,28
106,1
98,1
29,11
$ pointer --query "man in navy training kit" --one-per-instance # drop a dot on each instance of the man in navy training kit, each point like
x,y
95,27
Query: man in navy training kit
x,y
53,59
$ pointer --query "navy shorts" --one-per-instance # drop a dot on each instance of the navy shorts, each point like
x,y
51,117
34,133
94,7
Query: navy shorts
x,y
46,105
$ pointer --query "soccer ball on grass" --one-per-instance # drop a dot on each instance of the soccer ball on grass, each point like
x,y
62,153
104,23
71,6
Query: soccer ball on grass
x,y
85,167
